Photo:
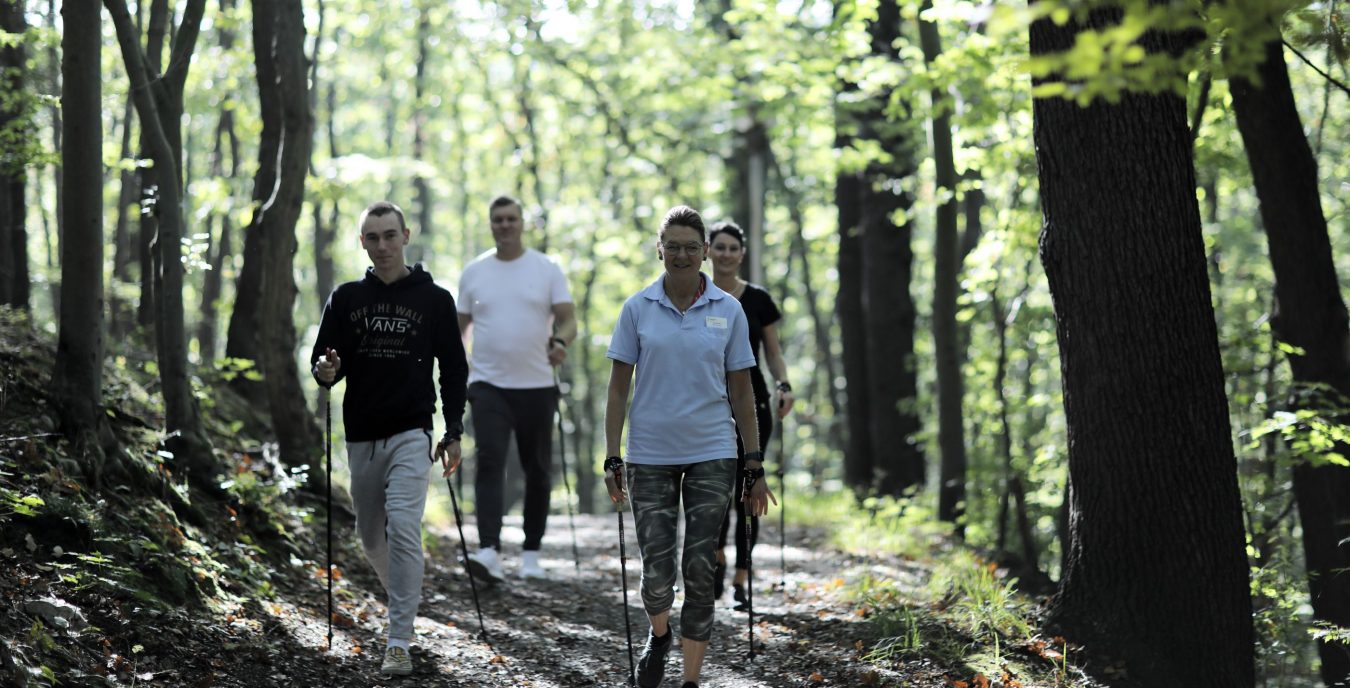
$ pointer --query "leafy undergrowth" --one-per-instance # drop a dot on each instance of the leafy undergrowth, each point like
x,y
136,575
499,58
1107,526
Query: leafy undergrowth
x,y
958,611
148,581
124,583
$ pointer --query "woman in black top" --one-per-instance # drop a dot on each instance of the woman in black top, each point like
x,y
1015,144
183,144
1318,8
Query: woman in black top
x,y
727,253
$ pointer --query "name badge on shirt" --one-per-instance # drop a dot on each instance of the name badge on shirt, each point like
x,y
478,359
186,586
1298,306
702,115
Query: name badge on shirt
x,y
716,323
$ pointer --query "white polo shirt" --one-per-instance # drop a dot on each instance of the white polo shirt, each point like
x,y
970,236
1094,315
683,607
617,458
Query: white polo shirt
x,y
511,302
680,413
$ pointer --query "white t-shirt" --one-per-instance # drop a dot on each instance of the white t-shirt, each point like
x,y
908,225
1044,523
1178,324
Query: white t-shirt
x,y
511,302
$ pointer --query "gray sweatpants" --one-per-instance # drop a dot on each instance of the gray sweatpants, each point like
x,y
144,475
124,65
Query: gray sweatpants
x,y
389,492
655,493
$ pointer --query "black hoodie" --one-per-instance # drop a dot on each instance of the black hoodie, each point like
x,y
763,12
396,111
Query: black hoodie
x,y
386,336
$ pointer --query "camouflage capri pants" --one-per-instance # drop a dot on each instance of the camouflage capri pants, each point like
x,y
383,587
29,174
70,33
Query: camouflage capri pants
x,y
655,493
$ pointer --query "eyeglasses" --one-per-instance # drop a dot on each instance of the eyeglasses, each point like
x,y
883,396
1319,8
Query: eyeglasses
x,y
687,249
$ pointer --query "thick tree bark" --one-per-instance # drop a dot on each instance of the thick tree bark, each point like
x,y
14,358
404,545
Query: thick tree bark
x,y
187,439
1311,316
78,371
421,188
16,131
947,257
1156,573
279,188
858,469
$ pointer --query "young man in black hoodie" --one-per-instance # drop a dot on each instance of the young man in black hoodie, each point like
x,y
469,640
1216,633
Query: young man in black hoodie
x,y
380,334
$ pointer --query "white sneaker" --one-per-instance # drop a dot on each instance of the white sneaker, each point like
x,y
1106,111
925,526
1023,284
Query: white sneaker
x,y
530,568
397,662
485,565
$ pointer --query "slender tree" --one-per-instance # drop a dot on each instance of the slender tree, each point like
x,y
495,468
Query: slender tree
x,y
77,376
220,249
15,134
1311,318
947,345
278,194
159,102
1155,573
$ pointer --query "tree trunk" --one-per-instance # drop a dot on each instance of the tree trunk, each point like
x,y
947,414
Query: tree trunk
x,y
946,272
887,262
208,328
824,355
1311,316
187,439
16,127
279,188
156,28
859,473
121,315
77,377
418,251
59,186
1155,573
213,280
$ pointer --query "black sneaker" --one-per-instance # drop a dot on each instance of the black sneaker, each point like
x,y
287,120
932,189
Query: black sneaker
x,y
738,594
689,684
651,666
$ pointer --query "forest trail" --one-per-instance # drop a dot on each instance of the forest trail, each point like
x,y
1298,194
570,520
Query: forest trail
x,y
568,630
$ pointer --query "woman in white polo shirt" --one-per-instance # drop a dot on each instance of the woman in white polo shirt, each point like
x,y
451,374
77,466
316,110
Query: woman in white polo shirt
x,y
689,344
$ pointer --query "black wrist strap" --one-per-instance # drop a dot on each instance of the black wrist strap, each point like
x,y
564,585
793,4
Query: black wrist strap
x,y
613,464
751,476
754,456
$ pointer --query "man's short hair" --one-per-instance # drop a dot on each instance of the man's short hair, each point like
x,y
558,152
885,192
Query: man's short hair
x,y
502,201
380,209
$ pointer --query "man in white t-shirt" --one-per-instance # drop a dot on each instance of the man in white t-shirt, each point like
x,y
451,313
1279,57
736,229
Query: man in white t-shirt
x,y
523,319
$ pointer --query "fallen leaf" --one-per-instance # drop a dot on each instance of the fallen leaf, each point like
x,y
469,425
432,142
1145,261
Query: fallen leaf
x,y
497,659
870,678
981,681
816,677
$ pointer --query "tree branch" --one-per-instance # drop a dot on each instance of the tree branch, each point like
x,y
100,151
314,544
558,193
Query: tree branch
x,y
1315,68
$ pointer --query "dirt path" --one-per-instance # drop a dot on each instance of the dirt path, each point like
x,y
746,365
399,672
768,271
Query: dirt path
x,y
569,630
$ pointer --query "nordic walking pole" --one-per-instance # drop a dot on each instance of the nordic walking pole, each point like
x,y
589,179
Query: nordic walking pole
x,y
464,546
328,455
750,576
567,482
782,509
615,465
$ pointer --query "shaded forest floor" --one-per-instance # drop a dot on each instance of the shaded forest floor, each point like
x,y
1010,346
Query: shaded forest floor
x,y
149,582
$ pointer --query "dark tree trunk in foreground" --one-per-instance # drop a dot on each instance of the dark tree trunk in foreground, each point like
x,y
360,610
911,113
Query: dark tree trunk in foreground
x,y
159,103
947,346
1156,573
16,131
77,377
278,194
858,471
1309,315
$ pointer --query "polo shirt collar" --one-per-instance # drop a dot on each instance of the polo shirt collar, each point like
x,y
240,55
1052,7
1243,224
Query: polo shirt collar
x,y
656,291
